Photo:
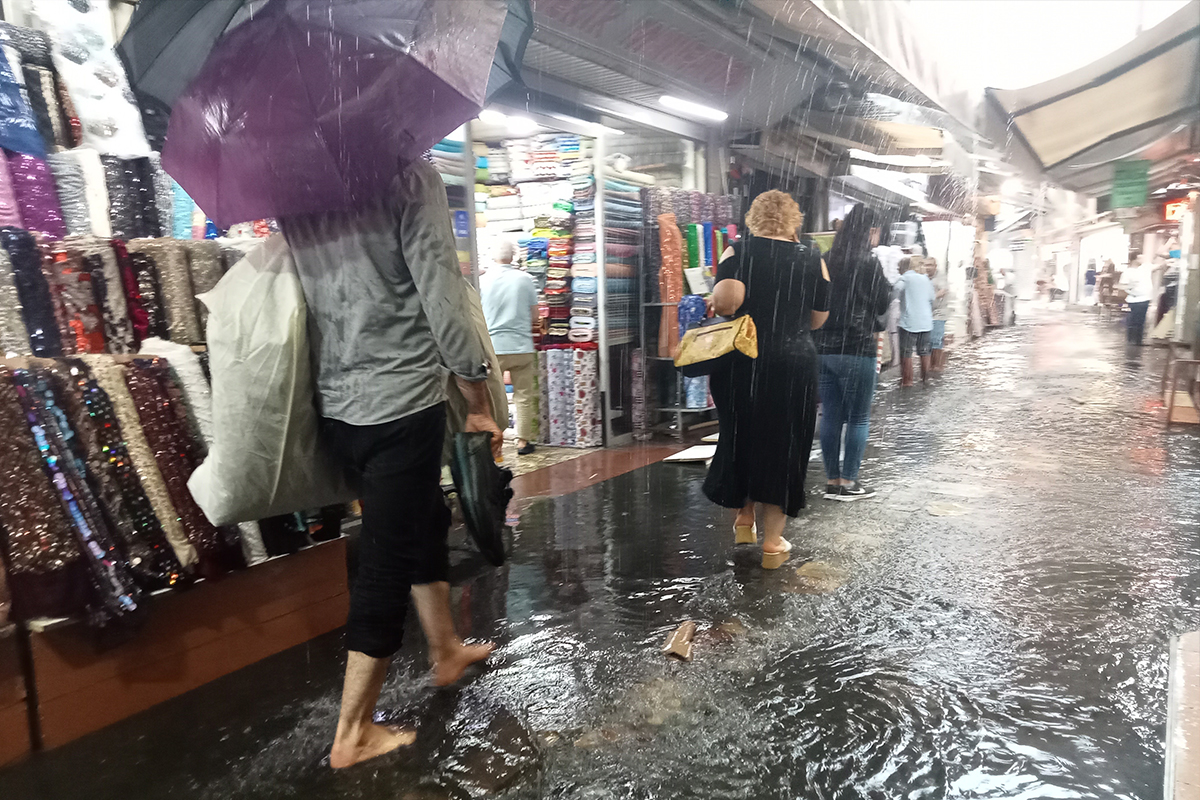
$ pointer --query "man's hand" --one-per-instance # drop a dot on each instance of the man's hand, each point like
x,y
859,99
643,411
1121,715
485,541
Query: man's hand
x,y
479,416
484,422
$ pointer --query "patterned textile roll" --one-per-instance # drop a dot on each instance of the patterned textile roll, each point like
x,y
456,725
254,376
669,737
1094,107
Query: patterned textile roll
x,y
74,288
695,392
44,563
164,197
204,266
119,490
102,262
196,392
150,289
70,116
670,283
162,421
175,285
72,192
182,209
95,189
13,338
561,369
10,213
588,430
110,376
114,595
543,398
34,45
33,186
133,208
37,305
134,304
40,106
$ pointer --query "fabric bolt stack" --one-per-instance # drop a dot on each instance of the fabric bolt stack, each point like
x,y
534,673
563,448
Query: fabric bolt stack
x,y
586,387
622,257
560,397
447,156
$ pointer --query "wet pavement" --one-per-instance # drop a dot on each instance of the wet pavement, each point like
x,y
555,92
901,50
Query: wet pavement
x,y
994,625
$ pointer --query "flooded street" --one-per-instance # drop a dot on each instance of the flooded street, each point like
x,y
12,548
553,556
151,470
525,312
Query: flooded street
x,y
994,625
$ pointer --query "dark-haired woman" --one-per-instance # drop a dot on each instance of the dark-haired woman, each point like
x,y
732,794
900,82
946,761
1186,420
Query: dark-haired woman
x,y
859,295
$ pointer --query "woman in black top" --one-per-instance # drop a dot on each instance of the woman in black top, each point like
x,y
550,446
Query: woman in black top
x,y
847,344
768,406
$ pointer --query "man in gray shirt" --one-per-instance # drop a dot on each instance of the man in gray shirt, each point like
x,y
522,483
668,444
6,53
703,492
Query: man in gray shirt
x,y
386,319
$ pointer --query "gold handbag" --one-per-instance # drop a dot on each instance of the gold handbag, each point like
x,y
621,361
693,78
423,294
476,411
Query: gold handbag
x,y
707,348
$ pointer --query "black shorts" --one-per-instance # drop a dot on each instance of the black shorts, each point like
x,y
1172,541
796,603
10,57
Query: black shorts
x,y
396,468
921,341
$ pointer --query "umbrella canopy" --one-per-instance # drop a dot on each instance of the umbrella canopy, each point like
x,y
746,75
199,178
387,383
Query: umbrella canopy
x,y
310,105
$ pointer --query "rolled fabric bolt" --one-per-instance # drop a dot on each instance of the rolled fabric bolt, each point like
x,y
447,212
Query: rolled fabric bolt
x,y
33,186
72,192
164,196
679,643
10,214
95,189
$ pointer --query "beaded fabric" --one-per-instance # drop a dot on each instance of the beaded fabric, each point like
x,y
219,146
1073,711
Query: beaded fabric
x,y
101,260
13,338
37,306
110,376
175,286
118,488
44,563
164,423
113,595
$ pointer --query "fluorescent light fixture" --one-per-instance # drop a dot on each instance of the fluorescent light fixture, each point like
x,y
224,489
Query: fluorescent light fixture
x,y
519,125
492,117
694,109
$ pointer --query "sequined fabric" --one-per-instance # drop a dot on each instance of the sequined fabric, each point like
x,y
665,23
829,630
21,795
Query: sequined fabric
x,y
75,289
33,45
164,196
96,188
118,488
42,557
175,285
134,305
113,594
13,338
110,377
72,192
131,199
108,286
33,186
37,306
150,291
164,424
70,116
10,213
204,264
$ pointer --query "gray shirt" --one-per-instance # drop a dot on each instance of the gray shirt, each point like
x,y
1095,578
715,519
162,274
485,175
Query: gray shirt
x,y
387,304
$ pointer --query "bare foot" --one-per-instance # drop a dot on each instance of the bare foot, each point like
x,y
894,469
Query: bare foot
x,y
449,667
373,740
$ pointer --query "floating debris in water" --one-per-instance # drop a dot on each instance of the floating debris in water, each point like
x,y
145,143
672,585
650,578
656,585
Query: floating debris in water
x,y
679,643
946,509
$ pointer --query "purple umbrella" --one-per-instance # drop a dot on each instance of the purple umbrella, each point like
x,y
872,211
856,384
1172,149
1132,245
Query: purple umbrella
x,y
312,105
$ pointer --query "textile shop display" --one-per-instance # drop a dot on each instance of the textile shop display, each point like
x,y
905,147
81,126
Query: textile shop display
x,y
100,259
10,212
37,198
72,193
37,306
132,203
170,259
588,422
13,337
560,382
74,288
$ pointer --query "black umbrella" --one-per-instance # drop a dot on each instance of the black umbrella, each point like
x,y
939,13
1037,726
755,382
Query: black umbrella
x,y
168,41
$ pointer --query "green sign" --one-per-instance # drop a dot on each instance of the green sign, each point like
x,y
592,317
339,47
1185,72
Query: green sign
x,y
1130,182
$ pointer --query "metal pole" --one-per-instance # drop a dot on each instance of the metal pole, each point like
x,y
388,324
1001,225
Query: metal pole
x,y
469,177
598,153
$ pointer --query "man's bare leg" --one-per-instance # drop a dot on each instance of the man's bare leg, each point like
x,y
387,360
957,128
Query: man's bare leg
x,y
448,655
358,738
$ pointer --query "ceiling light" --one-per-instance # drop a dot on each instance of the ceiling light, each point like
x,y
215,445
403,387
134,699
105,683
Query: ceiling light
x,y
694,109
492,117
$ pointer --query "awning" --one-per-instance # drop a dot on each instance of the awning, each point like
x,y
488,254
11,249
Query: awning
x,y
1124,101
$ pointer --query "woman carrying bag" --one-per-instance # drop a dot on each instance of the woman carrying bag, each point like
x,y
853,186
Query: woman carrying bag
x,y
847,343
768,405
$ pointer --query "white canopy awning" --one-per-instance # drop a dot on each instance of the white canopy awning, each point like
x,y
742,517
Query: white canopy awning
x,y
1121,102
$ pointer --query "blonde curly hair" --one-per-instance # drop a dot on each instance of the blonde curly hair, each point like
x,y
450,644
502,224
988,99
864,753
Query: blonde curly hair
x,y
774,213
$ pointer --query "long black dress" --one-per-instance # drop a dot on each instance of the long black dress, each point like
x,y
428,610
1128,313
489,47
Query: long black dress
x,y
768,406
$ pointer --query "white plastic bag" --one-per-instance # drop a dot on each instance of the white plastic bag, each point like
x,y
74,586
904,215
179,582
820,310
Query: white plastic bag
x,y
266,458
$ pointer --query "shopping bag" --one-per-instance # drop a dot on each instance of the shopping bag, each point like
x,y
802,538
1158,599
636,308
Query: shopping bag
x,y
266,458
714,343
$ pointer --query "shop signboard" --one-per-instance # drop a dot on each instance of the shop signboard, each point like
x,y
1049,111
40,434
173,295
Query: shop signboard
x,y
462,224
1131,180
1173,212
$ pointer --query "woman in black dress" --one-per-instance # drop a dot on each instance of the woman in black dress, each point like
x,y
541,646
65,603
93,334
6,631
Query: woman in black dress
x,y
768,406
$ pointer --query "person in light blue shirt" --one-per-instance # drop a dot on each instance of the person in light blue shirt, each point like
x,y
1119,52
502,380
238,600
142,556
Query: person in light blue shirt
x,y
510,306
917,295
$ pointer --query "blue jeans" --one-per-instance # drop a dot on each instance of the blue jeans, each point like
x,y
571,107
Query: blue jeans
x,y
847,387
